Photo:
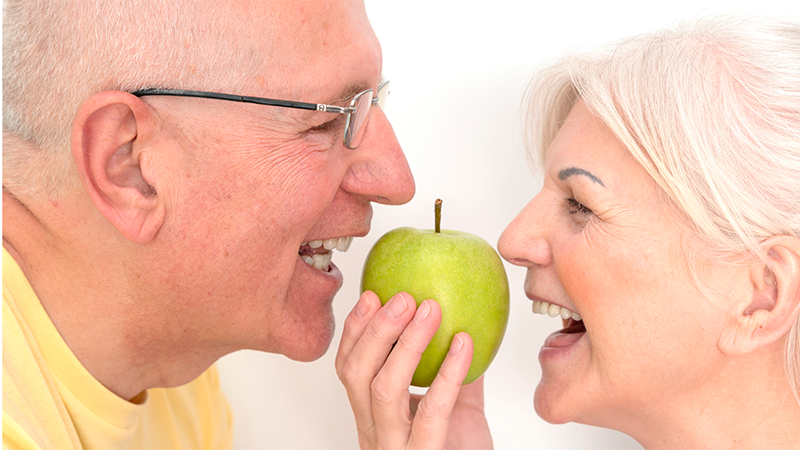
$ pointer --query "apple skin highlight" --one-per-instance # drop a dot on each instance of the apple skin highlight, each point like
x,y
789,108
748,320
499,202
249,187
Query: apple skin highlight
x,y
462,272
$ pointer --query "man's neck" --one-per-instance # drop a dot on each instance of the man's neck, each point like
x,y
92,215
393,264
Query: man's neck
x,y
89,296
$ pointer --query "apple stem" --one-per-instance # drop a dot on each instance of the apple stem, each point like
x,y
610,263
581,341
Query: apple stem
x,y
437,214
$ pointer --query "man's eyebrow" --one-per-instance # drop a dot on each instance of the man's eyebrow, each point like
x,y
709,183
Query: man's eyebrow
x,y
351,90
566,173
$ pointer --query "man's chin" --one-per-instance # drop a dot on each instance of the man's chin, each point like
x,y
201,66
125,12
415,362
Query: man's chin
x,y
307,335
312,346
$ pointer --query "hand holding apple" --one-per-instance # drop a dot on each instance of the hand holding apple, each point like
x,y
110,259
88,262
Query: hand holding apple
x,y
384,339
462,272
378,353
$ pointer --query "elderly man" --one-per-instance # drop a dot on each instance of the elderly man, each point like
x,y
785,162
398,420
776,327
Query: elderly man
x,y
151,225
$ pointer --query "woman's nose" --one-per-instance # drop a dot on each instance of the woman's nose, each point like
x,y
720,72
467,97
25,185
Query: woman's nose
x,y
523,242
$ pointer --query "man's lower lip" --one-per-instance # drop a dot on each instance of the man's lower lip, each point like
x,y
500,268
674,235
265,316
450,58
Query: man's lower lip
x,y
332,274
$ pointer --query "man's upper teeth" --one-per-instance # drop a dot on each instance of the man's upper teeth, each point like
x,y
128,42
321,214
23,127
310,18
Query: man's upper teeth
x,y
341,244
322,260
554,310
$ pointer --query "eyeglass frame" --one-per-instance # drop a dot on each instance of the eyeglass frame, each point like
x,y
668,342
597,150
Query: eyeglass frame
x,y
349,110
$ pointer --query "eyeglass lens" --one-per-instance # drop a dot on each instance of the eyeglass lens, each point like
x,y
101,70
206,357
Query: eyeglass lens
x,y
355,127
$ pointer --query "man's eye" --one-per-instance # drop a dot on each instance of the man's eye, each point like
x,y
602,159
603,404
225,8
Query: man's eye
x,y
328,126
575,207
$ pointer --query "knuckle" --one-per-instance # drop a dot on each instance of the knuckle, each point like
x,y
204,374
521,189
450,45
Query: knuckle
x,y
409,345
432,411
382,393
349,374
366,440
340,364
377,333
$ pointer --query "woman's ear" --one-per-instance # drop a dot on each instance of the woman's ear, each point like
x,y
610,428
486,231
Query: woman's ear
x,y
772,303
111,144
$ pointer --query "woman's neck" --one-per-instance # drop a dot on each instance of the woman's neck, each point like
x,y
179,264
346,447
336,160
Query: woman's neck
x,y
749,406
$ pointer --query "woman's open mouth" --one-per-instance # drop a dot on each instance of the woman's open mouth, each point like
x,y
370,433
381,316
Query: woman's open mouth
x,y
573,327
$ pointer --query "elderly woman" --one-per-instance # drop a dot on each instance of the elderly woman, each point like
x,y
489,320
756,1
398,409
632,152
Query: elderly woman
x,y
668,222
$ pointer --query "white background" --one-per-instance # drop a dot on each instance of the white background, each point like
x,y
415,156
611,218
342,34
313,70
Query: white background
x,y
458,71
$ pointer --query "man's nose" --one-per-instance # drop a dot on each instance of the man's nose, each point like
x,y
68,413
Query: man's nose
x,y
380,171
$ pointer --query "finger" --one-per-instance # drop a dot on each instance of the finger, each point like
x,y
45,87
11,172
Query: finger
x,y
380,334
357,321
390,397
433,412
362,364
355,324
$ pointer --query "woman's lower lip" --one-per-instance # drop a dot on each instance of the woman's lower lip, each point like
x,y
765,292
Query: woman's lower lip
x,y
560,344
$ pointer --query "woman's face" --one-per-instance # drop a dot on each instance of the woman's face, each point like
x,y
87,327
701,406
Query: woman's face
x,y
601,241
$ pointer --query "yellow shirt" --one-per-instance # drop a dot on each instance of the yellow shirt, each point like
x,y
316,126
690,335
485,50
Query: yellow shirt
x,y
51,401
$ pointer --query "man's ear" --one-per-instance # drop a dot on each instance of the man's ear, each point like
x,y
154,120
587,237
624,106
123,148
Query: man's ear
x,y
111,137
772,303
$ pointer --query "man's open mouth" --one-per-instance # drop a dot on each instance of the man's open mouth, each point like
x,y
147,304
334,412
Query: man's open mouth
x,y
317,254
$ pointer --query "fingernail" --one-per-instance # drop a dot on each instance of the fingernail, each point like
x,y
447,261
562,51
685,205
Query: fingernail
x,y
396,306
456,345
422,312
362,307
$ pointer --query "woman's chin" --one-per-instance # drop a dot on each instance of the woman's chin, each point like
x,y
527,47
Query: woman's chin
x,y
551,406
564,397
562,394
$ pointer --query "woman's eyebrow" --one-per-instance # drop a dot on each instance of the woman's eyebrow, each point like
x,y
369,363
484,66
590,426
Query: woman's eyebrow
x,y
566,173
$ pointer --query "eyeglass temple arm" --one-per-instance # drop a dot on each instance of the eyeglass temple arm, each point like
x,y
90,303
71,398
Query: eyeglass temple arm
x,y
246,99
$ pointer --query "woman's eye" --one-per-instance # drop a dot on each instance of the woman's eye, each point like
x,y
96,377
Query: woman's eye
x,y
575,207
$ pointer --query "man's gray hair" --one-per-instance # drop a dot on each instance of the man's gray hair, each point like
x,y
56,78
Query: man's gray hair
x,y
56,54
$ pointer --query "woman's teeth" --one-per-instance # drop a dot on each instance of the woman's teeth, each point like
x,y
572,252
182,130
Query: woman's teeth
x,y
554,310
317,254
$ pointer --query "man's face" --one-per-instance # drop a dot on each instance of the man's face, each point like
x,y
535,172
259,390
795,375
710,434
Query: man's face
x,y
255,183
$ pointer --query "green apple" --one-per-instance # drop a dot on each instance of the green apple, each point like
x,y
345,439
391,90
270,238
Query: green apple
x,y
462,272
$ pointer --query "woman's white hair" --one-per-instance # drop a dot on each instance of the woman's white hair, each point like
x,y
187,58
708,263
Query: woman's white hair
x,y
711,110
56,54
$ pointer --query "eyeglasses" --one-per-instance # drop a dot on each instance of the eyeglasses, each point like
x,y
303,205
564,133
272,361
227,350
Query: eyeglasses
x,y
357,112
